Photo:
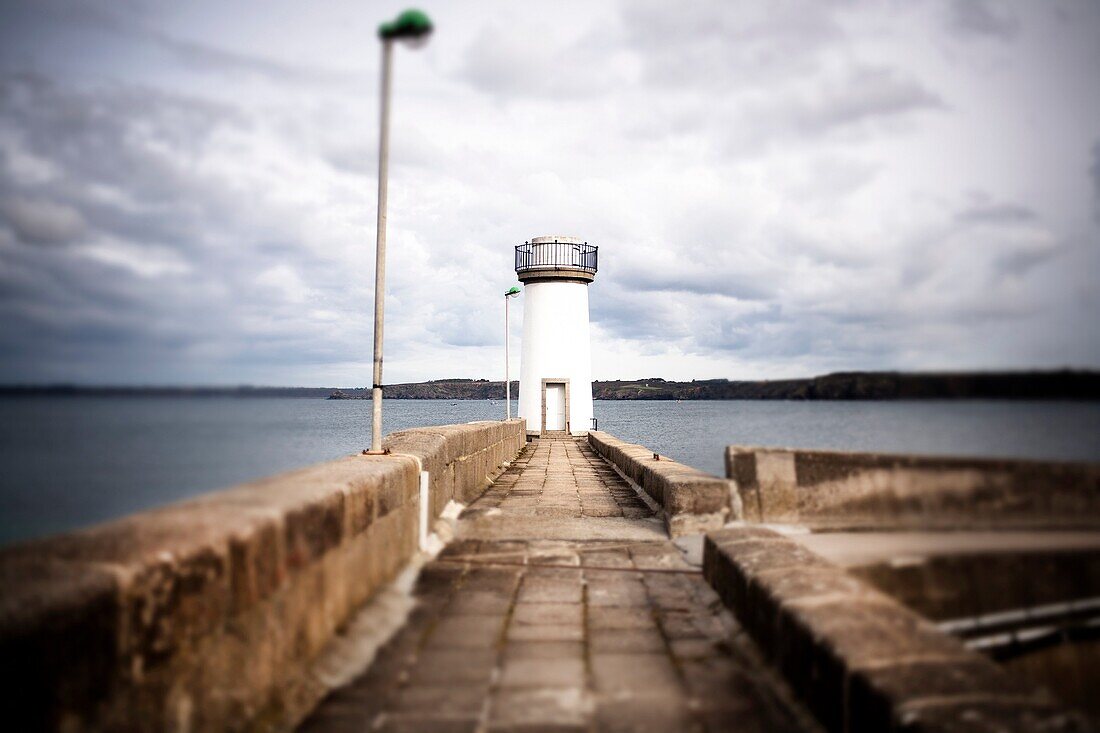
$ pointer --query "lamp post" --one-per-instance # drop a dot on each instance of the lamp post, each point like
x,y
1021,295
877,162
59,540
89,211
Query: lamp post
x,y
512,293
411,27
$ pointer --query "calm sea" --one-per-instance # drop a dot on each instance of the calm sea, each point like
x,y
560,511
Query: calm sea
x,y
72,461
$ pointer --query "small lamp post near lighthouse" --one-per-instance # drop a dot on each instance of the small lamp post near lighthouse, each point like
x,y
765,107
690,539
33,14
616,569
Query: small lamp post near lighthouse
x,y
512,292
555,389
412,27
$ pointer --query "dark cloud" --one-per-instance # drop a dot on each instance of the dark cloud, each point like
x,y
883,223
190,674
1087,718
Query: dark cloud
x,y
866,94
730,44
500,60
41,221
696,278
132,23
995,214
980,18
1019,262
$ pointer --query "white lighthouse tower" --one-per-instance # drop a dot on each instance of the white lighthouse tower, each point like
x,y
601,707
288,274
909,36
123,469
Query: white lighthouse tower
x,y
555,388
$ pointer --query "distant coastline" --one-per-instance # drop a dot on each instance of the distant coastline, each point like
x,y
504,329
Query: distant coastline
x,y
1064,384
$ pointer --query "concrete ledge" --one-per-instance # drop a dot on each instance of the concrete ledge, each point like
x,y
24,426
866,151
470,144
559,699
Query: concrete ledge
x,y
954,575
860,660
837,490
693,501
207,614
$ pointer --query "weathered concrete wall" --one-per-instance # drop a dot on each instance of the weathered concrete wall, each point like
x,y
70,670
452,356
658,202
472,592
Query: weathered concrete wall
x,y
833,489
460,459
207,614
860,660
971,584
693,501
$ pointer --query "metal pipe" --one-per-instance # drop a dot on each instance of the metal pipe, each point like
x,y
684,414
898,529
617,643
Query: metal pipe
x,y
380,249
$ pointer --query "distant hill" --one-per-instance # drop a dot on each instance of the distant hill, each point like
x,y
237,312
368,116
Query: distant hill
x,y
1065,384
1035,385
437,389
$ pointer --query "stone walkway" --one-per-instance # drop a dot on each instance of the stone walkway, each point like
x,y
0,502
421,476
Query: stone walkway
x,y
621,635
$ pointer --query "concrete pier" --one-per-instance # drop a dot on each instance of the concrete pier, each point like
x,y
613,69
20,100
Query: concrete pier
x,y
589,585
563,606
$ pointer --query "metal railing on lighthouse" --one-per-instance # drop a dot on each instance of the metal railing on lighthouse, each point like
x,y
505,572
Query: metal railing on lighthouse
x,y
556,256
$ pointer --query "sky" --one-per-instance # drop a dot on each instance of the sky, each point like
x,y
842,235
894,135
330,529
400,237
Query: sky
x,y
777,188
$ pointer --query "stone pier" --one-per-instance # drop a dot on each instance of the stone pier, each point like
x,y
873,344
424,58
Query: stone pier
x,y
563,606
838,592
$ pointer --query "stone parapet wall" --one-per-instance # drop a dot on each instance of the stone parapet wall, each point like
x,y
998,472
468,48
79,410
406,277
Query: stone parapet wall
x,y
208,614
836,490
692,501
460,459
860,660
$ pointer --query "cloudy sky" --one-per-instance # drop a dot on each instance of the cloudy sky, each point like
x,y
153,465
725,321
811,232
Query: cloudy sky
x,y
777,188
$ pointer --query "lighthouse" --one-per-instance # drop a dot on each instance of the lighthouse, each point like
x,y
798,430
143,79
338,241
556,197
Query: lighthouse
x,y
555,387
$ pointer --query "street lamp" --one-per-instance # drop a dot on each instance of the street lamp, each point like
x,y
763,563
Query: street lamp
x,y
412,27
512,293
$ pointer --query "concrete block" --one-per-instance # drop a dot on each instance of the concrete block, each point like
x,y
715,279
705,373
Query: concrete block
x,y
692,500
313,528
834,489
860,660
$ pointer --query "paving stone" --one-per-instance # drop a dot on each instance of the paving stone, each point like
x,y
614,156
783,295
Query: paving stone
x,y
603,591
613,617
633,672
649,714
541,614
479,603
603,511
533,591
476,632
544,650
551,632
453,666
442,701
554,672
541,576
567,706
626,641
608,558
491,579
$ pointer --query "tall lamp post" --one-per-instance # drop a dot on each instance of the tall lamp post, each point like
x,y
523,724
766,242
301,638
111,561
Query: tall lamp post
x,y
412,27
512,293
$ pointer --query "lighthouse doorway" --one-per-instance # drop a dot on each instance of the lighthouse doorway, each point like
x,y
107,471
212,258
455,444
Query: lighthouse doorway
x,y
555,405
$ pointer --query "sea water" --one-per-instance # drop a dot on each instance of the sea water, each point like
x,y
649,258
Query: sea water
x,y
69,461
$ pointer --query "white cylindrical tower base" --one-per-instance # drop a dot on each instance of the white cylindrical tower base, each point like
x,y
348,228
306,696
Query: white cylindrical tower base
x,y
555,389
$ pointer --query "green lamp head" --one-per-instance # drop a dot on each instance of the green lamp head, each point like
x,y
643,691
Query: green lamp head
x,y
513,291
411,25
